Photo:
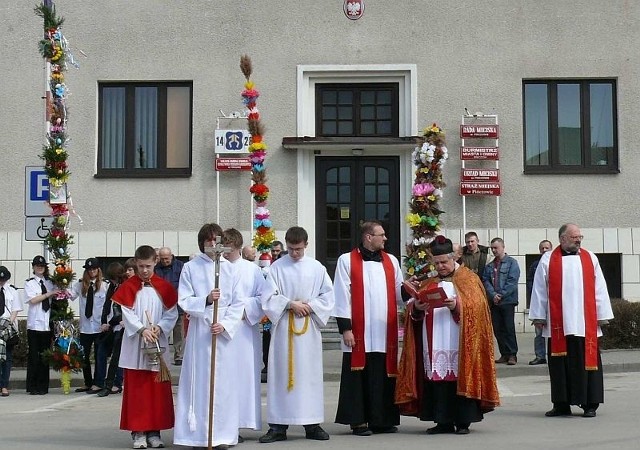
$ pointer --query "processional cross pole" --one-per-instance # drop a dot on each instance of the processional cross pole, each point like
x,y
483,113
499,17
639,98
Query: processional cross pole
x,y
214,253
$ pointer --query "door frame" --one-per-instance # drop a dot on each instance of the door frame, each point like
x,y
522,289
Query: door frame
x,y
357,214
306,212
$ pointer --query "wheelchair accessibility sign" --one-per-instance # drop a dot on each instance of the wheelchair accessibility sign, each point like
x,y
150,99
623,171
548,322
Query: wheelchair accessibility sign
x,y
38,218
232,141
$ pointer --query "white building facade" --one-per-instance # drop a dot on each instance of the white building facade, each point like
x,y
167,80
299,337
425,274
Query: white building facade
x,y
342,101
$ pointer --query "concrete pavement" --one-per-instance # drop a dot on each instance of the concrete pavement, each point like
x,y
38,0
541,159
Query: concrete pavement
x,y
614,361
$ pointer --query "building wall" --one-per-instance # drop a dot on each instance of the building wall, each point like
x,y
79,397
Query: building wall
x,y
466,54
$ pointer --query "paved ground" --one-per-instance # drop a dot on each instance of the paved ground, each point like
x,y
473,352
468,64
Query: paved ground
x,y
614,361
79,421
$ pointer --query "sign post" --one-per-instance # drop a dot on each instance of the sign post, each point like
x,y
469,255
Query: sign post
x,y
37,212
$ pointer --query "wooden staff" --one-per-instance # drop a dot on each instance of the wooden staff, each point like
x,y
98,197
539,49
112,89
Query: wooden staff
x,y
214,253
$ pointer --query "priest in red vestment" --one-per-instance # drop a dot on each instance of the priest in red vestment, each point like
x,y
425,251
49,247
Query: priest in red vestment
x,y
447,372
570,301
367,291
149,314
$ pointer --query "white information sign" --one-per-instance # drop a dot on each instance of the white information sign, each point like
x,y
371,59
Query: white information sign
x,y
37,228
232,141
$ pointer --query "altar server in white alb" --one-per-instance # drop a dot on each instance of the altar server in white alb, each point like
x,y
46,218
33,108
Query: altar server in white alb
x,y
298,299
196,296
247,344
570,300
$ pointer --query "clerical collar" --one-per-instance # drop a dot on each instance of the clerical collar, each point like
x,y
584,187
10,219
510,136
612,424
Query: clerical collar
x,y
565,253
448,277
368,255
146,284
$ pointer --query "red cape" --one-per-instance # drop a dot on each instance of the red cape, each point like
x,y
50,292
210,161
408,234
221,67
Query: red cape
x,y
126,293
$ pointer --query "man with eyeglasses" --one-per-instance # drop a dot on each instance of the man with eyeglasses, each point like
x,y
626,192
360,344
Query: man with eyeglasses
x,y
570,300
367,290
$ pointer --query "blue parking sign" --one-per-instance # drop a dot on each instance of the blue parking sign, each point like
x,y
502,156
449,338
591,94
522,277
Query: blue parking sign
x,y
36,192
39,186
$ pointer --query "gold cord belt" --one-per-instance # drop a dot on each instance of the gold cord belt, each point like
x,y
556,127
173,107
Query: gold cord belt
x,y
292,332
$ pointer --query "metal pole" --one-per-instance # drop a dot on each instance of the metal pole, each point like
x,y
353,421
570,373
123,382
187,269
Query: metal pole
x,y
47,105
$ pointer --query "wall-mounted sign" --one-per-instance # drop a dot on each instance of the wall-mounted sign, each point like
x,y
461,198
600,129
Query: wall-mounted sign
x,y
479,153
480,175
232,141
233,164
353,9
479,131
479,188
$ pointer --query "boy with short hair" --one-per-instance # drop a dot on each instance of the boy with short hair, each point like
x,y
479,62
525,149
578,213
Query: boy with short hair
x,y
149,314
298,299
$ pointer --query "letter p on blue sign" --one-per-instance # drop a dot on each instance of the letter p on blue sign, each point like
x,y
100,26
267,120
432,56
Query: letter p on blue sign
x,y
39,186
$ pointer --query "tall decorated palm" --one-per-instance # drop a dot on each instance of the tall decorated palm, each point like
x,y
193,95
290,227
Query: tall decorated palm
x,y
429,158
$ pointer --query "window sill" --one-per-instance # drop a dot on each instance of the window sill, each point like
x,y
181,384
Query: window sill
x,y
570,171
160,173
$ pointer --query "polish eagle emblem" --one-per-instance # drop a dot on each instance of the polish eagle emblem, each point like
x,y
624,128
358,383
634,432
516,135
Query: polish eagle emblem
x,y
353,9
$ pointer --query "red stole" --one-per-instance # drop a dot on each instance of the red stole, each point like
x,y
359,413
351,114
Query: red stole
x,y
126,293
357,313
558,340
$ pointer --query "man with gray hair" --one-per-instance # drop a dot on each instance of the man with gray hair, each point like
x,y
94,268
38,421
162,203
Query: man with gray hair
x,y
169,267
570,300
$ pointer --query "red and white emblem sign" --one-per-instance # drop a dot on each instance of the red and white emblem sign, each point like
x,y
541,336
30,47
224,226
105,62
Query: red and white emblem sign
x,y
353,9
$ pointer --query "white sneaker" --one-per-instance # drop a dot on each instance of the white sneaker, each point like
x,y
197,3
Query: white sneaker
x,y
154,441
139,439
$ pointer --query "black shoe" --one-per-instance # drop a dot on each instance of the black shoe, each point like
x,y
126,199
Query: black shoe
x,y
177,362
83,389
441,429
589,412
536,361
361,431
462,430
272,436
383,430
557,412
104,392
502,360
317,434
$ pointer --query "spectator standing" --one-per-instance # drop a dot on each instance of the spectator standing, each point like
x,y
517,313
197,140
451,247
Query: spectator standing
x,y
92,291
474,255
500,280
9,308
169,267
277,250
571,301
539,346
111,320
39,292
249,253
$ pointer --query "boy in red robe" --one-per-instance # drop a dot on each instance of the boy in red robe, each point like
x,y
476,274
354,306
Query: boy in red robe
x,y
149,313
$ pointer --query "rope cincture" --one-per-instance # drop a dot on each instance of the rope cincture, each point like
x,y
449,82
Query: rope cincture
x,y
292,332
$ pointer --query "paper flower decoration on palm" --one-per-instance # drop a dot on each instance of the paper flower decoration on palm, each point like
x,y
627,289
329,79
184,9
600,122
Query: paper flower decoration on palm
x,y
262,225
429,158
55,49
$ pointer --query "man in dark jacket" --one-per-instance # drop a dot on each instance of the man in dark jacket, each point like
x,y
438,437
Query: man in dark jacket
x,y
500,279
170,268
474,255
